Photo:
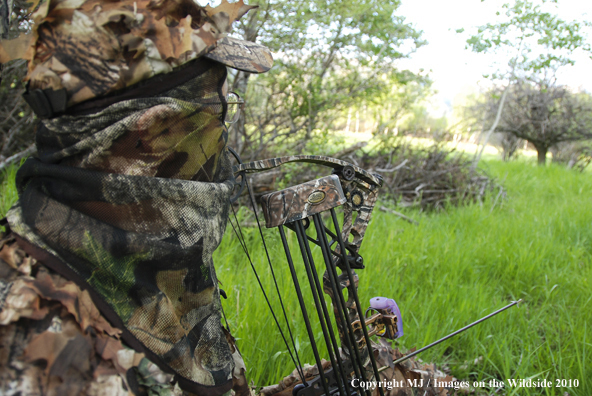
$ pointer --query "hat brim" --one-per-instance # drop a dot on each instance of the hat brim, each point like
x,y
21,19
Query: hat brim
x,y
242,55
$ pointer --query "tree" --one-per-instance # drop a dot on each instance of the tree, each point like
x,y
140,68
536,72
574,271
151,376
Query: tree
x,y
330,56
17,128
533,43
543,114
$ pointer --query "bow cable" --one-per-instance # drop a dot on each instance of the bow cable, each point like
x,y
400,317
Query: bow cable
x,y
245,249
321,307
350,275
299,365
241,239
350,340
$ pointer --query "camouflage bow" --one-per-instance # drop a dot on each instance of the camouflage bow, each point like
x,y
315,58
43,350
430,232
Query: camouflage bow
x,y
356,191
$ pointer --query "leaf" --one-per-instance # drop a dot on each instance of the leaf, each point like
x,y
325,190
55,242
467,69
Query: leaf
x,y
234,10
275,356
46,346
76,301
21,301
113,276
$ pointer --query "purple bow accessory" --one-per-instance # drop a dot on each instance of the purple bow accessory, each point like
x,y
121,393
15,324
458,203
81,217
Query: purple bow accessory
x,y
390,305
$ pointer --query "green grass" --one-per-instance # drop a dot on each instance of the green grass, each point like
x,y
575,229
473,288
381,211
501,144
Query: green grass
x,y
452,269
8,194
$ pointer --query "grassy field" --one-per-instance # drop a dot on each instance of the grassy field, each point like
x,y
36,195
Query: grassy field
x,y
452,269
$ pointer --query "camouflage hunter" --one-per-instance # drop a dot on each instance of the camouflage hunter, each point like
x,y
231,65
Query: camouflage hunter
x,y
129,193
113,202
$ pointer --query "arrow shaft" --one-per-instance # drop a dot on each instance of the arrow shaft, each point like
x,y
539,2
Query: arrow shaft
x,y
402,359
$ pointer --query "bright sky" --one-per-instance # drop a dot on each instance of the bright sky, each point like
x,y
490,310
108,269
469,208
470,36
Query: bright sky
x,y
456,70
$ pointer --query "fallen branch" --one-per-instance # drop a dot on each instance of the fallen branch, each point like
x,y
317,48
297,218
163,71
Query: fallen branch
x,y
401,215
25,153
396,168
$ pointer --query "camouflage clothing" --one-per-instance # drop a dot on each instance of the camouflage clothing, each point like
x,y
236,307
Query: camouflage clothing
x,y
130,202
92,48
54,340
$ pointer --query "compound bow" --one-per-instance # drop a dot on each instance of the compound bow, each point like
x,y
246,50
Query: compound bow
x,y
356,191
293,208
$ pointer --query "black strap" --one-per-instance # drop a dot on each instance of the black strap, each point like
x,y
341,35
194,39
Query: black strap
x,y
145,89
47,103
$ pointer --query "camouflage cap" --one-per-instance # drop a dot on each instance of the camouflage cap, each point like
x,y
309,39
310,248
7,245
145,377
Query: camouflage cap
x,y
242,55
92,48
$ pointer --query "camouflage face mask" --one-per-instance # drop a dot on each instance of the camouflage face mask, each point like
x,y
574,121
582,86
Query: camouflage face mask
x,y
130,202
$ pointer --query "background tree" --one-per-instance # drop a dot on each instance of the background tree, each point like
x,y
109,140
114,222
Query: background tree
x,y
18,121
543,114
531,42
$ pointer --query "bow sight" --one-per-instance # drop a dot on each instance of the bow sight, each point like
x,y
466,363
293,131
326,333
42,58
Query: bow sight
x,y
294,209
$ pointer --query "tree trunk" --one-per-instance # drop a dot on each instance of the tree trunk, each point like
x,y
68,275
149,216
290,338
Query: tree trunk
x,y
541,155
492,129
237,130
237,133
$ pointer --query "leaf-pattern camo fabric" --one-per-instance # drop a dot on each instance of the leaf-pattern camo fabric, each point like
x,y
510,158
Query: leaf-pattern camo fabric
x,y
92,48
134,200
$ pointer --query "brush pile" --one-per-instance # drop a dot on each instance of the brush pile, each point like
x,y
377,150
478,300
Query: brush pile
x,y
429,178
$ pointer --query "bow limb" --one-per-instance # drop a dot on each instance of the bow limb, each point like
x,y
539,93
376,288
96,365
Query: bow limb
x,y
267,164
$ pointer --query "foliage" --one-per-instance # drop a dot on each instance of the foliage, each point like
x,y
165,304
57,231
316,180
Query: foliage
x,y
454,268
419,122
431,176
577,155
510,144
332,57
530,39
533,42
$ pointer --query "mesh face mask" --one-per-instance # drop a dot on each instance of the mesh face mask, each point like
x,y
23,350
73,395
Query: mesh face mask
x,y
131,202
